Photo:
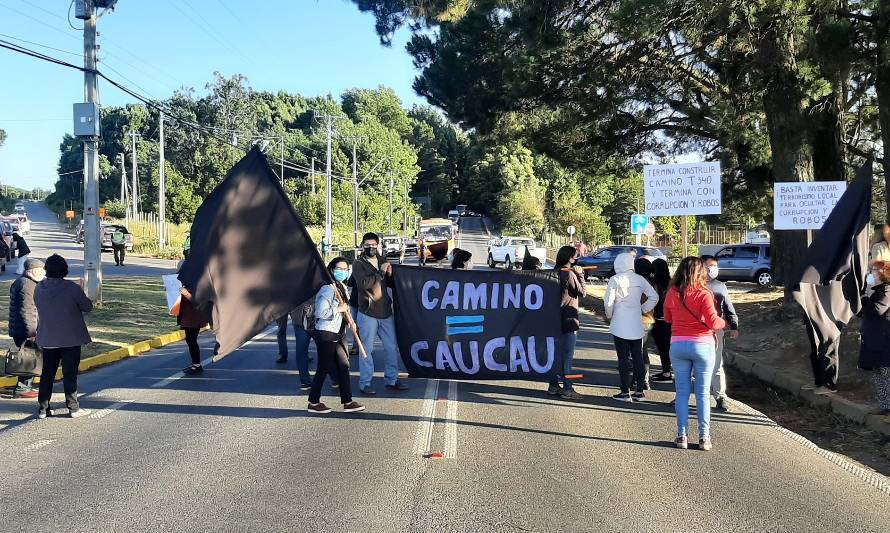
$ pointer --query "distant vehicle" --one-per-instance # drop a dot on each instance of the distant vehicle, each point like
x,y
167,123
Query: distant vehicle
x,y
757,236
510,251
410,244
454,215
24,223
746,262
461,209
108,230
391,245
438,237
601,263
19,207
13,223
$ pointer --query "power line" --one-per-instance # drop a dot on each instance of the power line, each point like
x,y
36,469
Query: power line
x,y
41,45
37,20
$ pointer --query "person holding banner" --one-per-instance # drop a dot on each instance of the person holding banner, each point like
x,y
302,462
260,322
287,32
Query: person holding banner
x,y
689,308
371,278
333,359
625,307
572,287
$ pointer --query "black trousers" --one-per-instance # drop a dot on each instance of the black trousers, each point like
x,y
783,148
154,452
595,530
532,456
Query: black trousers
x,y
120,252
70,359
191,340
661,335
630,363
18,344
825,359
333,359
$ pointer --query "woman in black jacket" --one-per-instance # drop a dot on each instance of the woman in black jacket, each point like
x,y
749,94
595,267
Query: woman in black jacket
x,y
661,330
874,354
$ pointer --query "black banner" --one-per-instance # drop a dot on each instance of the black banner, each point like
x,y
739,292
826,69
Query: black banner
x,y
467,324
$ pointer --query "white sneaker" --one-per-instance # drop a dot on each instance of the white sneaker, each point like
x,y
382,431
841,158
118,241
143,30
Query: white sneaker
x,y
80,413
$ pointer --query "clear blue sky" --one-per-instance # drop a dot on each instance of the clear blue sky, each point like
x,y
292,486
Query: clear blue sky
x,y
311,47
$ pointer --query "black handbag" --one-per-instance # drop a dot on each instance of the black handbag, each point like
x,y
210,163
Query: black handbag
x,y
25,361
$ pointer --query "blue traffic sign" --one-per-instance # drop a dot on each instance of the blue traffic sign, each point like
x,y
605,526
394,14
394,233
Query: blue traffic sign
x,y
638,224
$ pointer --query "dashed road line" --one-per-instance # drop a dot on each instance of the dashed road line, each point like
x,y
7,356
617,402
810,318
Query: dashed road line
x,y
37,445
424,434
451,422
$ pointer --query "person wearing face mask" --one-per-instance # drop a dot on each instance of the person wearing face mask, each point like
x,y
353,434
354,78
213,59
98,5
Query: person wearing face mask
x,y
371,276
726,311
874,353
23,315
572,288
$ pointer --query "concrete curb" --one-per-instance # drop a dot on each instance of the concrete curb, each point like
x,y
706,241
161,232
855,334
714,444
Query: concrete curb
x,y
131,350
853,411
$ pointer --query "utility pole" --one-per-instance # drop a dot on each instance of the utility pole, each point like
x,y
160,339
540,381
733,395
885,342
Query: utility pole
x,y
355,191
162,187
282,160
328,205
390,200
92,251
134,190
125,198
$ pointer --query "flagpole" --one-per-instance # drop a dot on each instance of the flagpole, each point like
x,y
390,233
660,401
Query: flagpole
x,y
348,316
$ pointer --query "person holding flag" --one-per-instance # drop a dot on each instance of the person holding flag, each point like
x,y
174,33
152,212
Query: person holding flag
x,y
330,324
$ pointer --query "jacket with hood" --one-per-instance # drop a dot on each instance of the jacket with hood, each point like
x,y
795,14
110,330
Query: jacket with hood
x,y
61,305
624,295
22,310
572,287
369,286
21,247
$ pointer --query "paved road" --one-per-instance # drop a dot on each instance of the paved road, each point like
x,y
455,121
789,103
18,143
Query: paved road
x,y
49,237
235,450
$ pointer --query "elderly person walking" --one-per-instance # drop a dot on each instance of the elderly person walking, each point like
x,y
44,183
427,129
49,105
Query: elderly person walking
x,y
23,315
61,333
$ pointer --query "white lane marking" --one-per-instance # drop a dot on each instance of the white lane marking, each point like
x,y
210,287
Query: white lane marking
x,y
37,445
451,422
207,360
102,413
427,419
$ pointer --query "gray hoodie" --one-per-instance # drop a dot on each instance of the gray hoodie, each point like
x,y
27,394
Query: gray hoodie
x,y
61,305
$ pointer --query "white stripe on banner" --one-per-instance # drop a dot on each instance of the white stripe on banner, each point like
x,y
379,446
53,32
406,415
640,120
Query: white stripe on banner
x,y
427,419
451,422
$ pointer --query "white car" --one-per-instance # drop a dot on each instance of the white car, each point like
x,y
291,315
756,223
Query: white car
x,y
392,246
510,251
24,223
454,216
19,208
461,210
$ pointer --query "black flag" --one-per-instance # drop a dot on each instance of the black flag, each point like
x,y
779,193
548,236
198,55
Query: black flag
x,y
833,278
251,260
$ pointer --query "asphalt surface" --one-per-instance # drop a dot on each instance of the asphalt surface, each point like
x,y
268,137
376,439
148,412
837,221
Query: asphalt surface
x,y
234,450
49,237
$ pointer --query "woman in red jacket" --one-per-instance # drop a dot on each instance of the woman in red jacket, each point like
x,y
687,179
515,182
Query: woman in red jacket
x,y
689,309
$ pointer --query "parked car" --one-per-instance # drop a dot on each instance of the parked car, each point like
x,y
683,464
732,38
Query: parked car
x,y
24,223
108,229
391,245
510,251
601,263
13,224
746,262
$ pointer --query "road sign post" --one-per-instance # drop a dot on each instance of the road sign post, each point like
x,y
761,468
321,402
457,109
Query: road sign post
x,y
571,231
638,224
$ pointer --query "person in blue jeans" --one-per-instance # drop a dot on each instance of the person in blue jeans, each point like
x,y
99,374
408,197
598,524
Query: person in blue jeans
x,y
572,287
689,309
371,278
300,318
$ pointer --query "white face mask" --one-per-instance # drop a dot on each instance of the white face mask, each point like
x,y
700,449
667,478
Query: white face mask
x,y
870,279
713,271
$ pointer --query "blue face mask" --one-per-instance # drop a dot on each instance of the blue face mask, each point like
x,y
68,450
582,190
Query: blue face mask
x,y
341,275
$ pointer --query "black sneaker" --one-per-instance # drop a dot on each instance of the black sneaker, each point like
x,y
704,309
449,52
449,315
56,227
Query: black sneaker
x,y
662,377
721,405
318,409
305,386
192,370
281,359
398,385
622,397
367,391
638,397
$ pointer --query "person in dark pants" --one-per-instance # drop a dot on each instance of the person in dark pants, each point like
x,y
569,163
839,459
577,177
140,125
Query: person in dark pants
x,y
61,332
191,320
300,317
119,246
874,354
23,315
661,330
330,308
572,287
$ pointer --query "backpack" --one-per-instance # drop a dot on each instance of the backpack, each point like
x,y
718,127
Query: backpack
x,y
118,237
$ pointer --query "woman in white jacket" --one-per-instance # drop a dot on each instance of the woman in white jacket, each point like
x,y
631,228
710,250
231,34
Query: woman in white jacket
x,y
628,297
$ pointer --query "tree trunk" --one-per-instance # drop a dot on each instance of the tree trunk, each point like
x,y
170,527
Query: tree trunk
x,y
882,88
827,137
792,159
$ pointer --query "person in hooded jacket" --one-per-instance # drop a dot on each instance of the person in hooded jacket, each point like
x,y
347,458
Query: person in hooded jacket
x,y
61,333
874,353
625,307
572,288
23,315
